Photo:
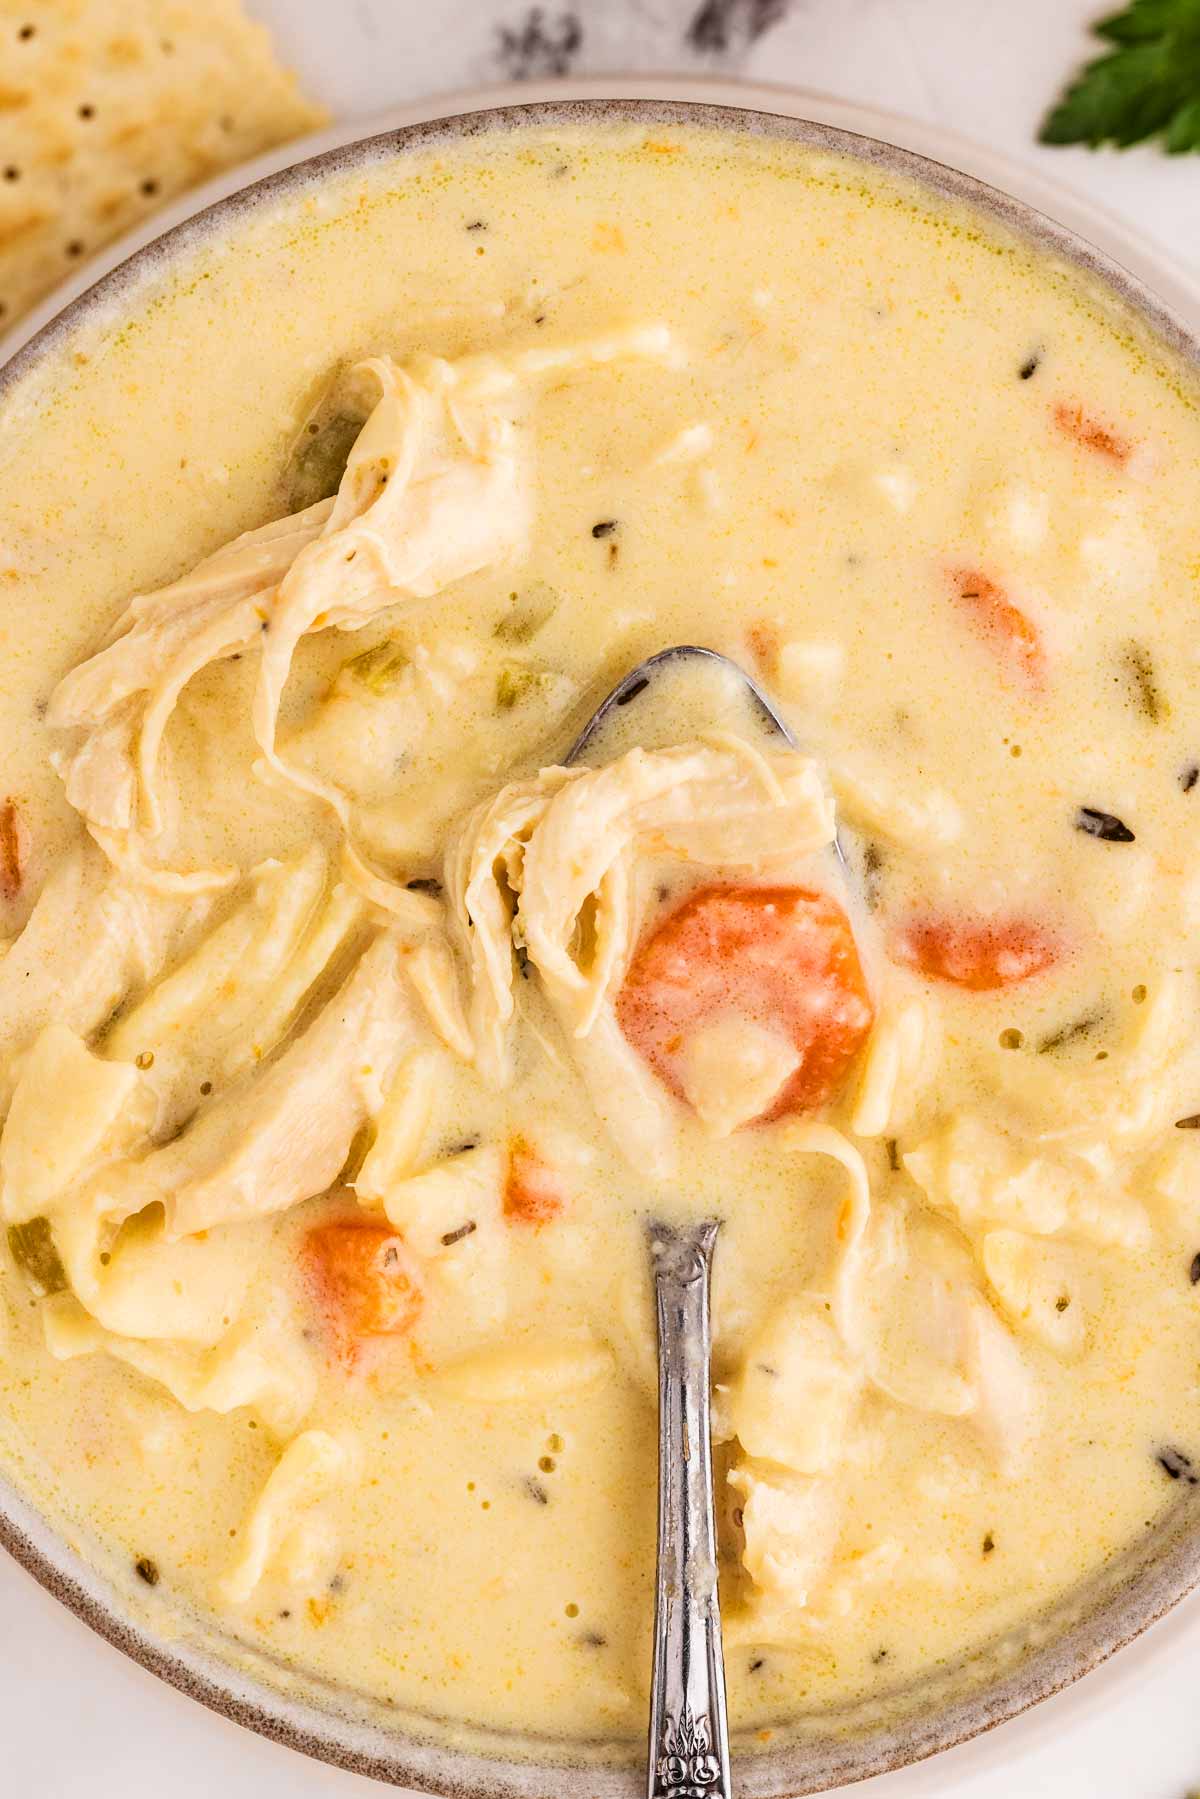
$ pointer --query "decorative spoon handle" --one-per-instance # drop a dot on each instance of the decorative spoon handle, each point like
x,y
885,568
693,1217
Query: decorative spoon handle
x,y
689,1740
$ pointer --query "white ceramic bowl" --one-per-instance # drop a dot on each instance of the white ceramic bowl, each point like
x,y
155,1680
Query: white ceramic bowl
x,y
348,1729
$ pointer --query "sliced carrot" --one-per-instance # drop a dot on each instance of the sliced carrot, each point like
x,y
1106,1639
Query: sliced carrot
x,y
14,846
1084,428
366,1279
995,615
532,1191
763,639
781,957
981,954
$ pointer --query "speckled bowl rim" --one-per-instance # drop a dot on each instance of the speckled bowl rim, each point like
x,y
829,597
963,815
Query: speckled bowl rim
x,y
1103,1615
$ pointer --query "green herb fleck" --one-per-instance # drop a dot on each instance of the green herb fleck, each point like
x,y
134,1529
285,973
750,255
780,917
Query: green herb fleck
x,y
319,462
147,1570
1147,85
378,669
1147,695
1070,1033
31,1246
872,869
528,612
514,684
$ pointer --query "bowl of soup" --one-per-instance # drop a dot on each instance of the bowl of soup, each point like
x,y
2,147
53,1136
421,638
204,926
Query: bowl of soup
x,y
348,1039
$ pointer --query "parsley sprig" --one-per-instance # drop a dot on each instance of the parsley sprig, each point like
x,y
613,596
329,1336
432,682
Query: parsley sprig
x,y
1147,85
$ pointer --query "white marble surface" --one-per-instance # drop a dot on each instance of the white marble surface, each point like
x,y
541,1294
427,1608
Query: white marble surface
x,y
78,1721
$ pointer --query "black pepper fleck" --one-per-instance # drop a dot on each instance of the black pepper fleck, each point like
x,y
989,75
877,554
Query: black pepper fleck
x,y
1104,825
1177,1466
464,1230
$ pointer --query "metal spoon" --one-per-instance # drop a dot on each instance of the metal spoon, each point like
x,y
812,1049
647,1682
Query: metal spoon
x,y
689,1738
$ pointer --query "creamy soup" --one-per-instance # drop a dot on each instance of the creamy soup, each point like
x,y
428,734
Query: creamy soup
x,y
347,1040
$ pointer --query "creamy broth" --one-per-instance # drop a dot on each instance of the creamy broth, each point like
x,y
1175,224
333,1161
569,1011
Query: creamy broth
x,y
944,501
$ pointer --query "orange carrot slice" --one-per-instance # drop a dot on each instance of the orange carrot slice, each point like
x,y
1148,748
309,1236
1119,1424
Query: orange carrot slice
x,y
781,957
1086,429
532,1191
981,954
993,613
366,1279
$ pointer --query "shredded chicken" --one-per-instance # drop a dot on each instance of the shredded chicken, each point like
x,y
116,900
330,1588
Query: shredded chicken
x,y
90,939
551,865
310,1468
434,490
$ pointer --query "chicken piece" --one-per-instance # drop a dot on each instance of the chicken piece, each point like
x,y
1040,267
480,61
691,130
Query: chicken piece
x,y
122,698
792,1400
527,1372
69,1110
283,1135
89,940
1039,1284
1007,1399
719,804
900,1058
261,1362
551,864
482,875
310,1468
979,1176
400,1128
433,491
227,1005
791,1528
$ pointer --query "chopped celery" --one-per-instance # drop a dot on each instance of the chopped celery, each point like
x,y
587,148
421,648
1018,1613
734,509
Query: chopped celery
x,y
319,462
378,668
528,612
32,1248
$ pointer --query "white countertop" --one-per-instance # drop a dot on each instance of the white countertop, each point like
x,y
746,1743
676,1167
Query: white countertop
x,y
79,1721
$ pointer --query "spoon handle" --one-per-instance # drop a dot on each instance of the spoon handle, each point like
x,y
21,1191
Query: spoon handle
x,y
689,1741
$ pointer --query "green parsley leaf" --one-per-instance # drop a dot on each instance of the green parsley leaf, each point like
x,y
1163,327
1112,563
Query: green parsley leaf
x,y
1147,86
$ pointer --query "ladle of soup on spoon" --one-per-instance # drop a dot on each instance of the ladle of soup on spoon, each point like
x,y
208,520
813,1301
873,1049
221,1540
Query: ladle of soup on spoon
x,y
784,957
